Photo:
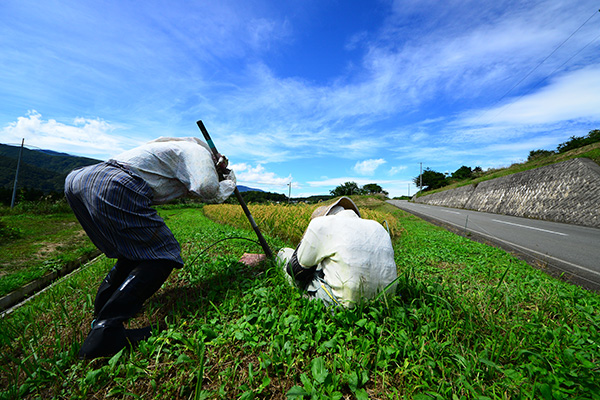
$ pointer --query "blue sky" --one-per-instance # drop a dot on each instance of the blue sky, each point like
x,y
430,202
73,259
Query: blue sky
x,y
312,92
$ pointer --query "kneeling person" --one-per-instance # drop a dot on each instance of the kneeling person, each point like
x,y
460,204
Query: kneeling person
x,y
341,258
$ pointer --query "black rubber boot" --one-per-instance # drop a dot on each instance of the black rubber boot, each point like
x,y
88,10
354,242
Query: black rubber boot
x,y
115,277
137,335
108,334
103,341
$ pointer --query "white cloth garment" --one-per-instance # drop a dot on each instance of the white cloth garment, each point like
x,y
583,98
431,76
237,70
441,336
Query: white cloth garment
x,y
178,167
354,254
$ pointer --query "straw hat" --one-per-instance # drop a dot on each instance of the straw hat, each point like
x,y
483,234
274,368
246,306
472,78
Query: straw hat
x,y
344,202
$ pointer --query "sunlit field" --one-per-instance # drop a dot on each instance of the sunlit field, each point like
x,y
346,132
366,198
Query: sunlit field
x,y
468,321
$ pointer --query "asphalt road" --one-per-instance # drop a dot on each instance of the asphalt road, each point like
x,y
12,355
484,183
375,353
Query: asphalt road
x,y
571,252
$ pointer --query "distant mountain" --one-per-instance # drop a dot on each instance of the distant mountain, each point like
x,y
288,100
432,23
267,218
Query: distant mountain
x,y
43,170
54,161
242,188
53,153
46,170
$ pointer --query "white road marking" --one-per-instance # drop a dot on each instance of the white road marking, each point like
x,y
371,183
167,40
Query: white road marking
x,y
537,253
530,227
542,255
453,212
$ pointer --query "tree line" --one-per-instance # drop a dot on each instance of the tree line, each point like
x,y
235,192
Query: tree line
x,y
352,188
345,189
573,143
431,179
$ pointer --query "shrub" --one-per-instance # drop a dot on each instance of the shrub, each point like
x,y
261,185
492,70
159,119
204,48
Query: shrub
x,y
41,207
579,141
6,232
537,154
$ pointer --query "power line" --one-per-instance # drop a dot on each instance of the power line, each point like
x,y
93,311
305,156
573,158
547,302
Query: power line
x,y
265,183
544,60
547,57
546,77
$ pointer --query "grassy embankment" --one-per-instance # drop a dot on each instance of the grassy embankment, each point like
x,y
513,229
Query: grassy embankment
x,y
468,321
37,238
591,151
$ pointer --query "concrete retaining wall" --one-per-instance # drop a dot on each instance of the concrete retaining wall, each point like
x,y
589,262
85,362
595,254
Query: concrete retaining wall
x,y
566,192
457,198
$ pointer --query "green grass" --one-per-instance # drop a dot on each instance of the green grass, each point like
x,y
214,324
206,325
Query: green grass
x,y
33,244
468,322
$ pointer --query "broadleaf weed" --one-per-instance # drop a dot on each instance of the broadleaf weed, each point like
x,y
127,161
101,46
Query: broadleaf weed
x,y
467,321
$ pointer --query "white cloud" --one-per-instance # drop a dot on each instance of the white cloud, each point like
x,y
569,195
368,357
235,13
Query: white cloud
x,y
463,51
574,95
83,136
463,60
401,96
341,180
539,119
301,118
261,32
396,170
247,174
368,167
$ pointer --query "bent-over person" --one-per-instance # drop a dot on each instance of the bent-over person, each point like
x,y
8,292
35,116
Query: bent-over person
x,y
113,202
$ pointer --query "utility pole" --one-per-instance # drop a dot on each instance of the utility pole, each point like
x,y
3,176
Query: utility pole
x,y
12,201
421,178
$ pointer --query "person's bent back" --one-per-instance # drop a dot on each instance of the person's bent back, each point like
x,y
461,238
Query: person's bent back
x,y
342,258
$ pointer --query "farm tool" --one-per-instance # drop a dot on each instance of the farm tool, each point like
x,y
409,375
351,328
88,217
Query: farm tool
x,y
222,170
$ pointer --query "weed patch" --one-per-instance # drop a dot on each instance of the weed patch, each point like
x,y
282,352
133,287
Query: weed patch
x,y
467,321
39,244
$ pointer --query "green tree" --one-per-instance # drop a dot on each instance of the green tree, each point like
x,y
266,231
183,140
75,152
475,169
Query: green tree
x,y
463,172
346,189
431,179
253,196
477,172
535,154
373,188
579,141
